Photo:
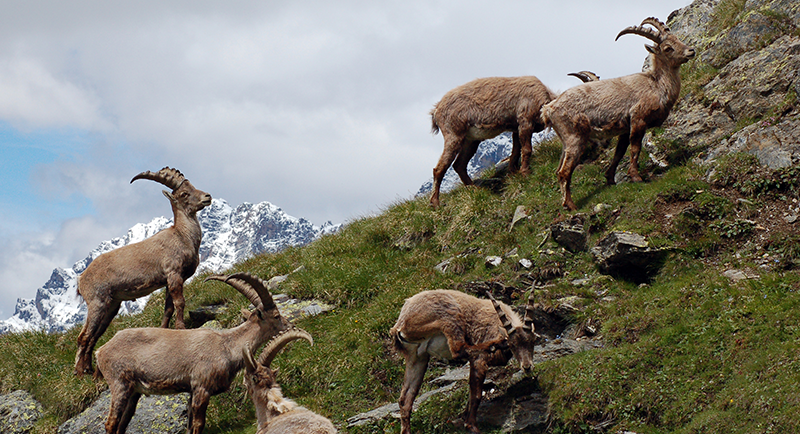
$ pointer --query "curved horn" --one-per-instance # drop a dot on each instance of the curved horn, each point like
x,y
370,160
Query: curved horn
x,y
501,314
247,353
172,178
642,31
585,76
259,286
655,22
527,321
239,285
276,344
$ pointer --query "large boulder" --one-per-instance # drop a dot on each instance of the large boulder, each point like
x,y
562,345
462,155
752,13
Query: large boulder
x,y
627,255
571,233
157,414
18,412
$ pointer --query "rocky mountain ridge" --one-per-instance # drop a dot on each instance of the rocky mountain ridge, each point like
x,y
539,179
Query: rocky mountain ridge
x,y
230,235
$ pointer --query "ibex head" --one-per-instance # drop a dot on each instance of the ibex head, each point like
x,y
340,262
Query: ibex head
x,y
184,195
259,374
668,47
522,338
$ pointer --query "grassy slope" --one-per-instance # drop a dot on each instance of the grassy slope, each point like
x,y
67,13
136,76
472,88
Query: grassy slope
x,y
690,352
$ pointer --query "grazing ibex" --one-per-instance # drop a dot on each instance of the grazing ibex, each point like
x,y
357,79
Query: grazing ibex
x,y
453,325
623,106
167,258
276,414
480,110
200,361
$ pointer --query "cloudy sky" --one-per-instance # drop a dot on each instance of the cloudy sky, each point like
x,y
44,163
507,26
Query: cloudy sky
x,y
318,107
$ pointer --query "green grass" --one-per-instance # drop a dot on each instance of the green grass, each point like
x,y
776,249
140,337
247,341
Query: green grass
x,y
688,352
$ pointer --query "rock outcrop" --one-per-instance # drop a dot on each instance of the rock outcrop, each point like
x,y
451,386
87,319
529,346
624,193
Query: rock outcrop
x,y
19,411
741,91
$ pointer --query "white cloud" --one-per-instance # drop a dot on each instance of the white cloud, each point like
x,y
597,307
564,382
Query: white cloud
x,y
33,97
319,107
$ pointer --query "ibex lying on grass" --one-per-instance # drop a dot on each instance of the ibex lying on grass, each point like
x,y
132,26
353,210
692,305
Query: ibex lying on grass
x,y
480,110
200,361
623,106
167,258
276,414
453,325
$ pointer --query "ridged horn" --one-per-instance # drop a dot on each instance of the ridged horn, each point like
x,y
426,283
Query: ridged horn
x,y
585,76
172,178
249,361
527,321
241,286
259,286
642,31
655,22
501,314
276,344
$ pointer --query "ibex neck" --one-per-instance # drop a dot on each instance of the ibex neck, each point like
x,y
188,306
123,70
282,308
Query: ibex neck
x,y
188,226
668,80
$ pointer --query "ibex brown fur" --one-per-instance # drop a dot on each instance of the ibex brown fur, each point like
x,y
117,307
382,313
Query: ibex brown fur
x,y
453,325
480,110
167,258
623,106
276,414
200,361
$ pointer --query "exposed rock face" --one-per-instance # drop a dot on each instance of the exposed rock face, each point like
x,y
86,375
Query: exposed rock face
x,y
748,100
18,412
157,414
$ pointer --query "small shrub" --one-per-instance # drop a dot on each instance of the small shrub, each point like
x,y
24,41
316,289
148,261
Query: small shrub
x,y
734,229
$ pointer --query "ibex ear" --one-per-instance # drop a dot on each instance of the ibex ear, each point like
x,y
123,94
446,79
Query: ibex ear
x,y
650,48
169,196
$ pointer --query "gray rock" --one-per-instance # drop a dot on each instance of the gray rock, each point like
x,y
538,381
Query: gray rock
x,y
739,275
157,414
444,265
393,409
493,261
18,412
516,412
203,314
572,233
628,255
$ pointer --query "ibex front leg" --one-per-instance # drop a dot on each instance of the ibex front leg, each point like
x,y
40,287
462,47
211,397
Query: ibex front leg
x,y
477,374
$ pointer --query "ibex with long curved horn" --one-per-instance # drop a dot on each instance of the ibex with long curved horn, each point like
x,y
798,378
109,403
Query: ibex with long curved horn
x,y
276,414
623,106
453,325
167,258
200,361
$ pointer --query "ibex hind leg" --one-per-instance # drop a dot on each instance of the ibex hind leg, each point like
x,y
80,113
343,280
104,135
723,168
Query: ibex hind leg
x,y
415,372
98,318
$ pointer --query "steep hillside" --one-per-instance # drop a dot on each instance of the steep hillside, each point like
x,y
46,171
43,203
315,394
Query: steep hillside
x,y
708,342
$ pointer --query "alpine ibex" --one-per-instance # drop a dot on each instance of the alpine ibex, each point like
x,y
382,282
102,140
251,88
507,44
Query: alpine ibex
x,y
167,258
623,106
276,414
200,361
480,110
453,325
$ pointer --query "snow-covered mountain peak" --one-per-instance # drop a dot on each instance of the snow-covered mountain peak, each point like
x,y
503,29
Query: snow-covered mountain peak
x,y
229,236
